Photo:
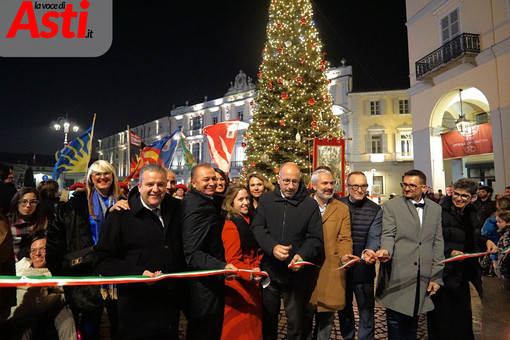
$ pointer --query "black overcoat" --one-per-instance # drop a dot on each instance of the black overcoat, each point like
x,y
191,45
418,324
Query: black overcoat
x,y
132,241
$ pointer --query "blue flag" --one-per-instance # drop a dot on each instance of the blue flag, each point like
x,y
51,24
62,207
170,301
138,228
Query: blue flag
x,y
75,156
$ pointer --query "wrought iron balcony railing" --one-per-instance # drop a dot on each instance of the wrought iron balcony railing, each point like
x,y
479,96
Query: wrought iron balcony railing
x,y
464,44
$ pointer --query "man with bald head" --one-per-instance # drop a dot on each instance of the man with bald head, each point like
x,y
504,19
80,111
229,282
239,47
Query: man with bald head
x,y
287,225
172,182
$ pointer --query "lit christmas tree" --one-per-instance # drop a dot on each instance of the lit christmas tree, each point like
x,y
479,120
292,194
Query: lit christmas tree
x,y
293,104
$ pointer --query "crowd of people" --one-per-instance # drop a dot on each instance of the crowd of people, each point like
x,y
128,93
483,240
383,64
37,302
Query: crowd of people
x,y
281,243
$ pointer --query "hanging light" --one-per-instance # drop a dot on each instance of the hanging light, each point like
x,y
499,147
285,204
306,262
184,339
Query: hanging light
x,y
463,124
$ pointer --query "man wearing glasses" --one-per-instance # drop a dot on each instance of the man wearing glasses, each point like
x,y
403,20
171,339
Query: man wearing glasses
x,y
366,225
288,227
411,248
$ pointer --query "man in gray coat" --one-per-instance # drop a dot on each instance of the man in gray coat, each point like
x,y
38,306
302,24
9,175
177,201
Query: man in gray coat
x,y
411,249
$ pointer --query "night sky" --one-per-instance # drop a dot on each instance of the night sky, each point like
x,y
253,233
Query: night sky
x,y
167,52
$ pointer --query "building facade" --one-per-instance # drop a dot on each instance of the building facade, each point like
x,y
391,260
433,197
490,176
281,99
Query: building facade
x,y
377,126
459,65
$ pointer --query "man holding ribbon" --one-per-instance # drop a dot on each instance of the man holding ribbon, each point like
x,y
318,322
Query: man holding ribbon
x,y
411,250
452,317
287,225
145,240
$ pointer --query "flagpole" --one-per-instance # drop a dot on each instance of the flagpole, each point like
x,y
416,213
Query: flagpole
x,y
91,139
128,158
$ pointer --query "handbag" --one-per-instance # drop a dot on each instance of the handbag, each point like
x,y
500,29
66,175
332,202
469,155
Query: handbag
x,y
78,260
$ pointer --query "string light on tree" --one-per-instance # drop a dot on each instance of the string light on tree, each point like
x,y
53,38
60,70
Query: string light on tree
x,y
292,105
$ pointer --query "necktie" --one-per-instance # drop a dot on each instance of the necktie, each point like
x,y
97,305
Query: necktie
x,y
419,205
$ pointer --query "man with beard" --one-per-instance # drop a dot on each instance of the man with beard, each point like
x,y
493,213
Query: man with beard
x,y
171,183
484,204
329,294
366,225
287,225
412,249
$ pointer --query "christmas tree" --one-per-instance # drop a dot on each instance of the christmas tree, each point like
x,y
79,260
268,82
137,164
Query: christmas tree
x,y
293,104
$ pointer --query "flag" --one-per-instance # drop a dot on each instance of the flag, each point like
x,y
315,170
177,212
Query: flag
x,y
221,139
188,156
161,152
75,156
134,151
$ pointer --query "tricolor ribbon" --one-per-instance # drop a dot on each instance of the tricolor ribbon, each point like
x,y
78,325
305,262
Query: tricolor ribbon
x,y
302,263
306,263
463,256
44,281
506,250
348,264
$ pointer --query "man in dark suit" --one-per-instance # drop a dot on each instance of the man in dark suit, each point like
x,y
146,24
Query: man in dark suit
x,y
145,240
202,224
412,238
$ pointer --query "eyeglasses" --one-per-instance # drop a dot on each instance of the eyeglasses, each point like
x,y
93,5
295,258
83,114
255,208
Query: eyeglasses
x,y
464,197
356,187
288,181
101,174
41,250
27,202
404,185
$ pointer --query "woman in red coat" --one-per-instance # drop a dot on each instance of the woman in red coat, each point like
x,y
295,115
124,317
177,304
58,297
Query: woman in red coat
x,y
243,305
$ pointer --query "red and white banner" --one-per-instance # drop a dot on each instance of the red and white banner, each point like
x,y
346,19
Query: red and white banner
x,y
221,138
478,141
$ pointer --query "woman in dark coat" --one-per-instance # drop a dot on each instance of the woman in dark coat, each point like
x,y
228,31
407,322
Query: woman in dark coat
x,y
451,317
71,238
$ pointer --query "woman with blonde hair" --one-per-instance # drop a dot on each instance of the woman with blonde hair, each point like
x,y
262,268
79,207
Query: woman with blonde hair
x,y
71,239
258,184
243,303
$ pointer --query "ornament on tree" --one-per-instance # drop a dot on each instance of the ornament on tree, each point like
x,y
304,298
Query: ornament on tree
x,y
243,144
253,164
282,123
276,170
302,59
269,86
252,103
322,68
303,21
326,97
299,79
280,50
264,49
323,62
265,158
259,75
288,43
261,123
276,147
298,137
247,135
245,168
279,25
285,95
314,124
311,101
279,80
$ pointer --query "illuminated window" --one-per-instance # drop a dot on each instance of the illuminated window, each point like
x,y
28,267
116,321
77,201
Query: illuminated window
x,y
376,144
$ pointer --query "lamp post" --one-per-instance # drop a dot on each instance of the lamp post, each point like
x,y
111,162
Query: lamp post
x,y
64,124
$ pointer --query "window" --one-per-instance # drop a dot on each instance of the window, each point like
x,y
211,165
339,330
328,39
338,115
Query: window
x,y
406,144
375,109
450,26
376,144
196,151
197,122
240,115
481,118
378,186
215,120
403,106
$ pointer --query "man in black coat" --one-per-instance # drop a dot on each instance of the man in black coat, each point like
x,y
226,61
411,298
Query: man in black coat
x,y
202,224
288,227
145,240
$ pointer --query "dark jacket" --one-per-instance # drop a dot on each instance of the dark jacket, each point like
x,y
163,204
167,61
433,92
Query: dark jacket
x,y
366,226
461,232
484,209
202,224
292,221
70,232
132,241
7,294
7,192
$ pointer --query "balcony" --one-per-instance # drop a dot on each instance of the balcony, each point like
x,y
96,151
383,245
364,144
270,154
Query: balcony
x,y
461,49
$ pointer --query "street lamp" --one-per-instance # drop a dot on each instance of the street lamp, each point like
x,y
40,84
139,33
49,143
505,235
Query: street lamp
x,y
63,122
